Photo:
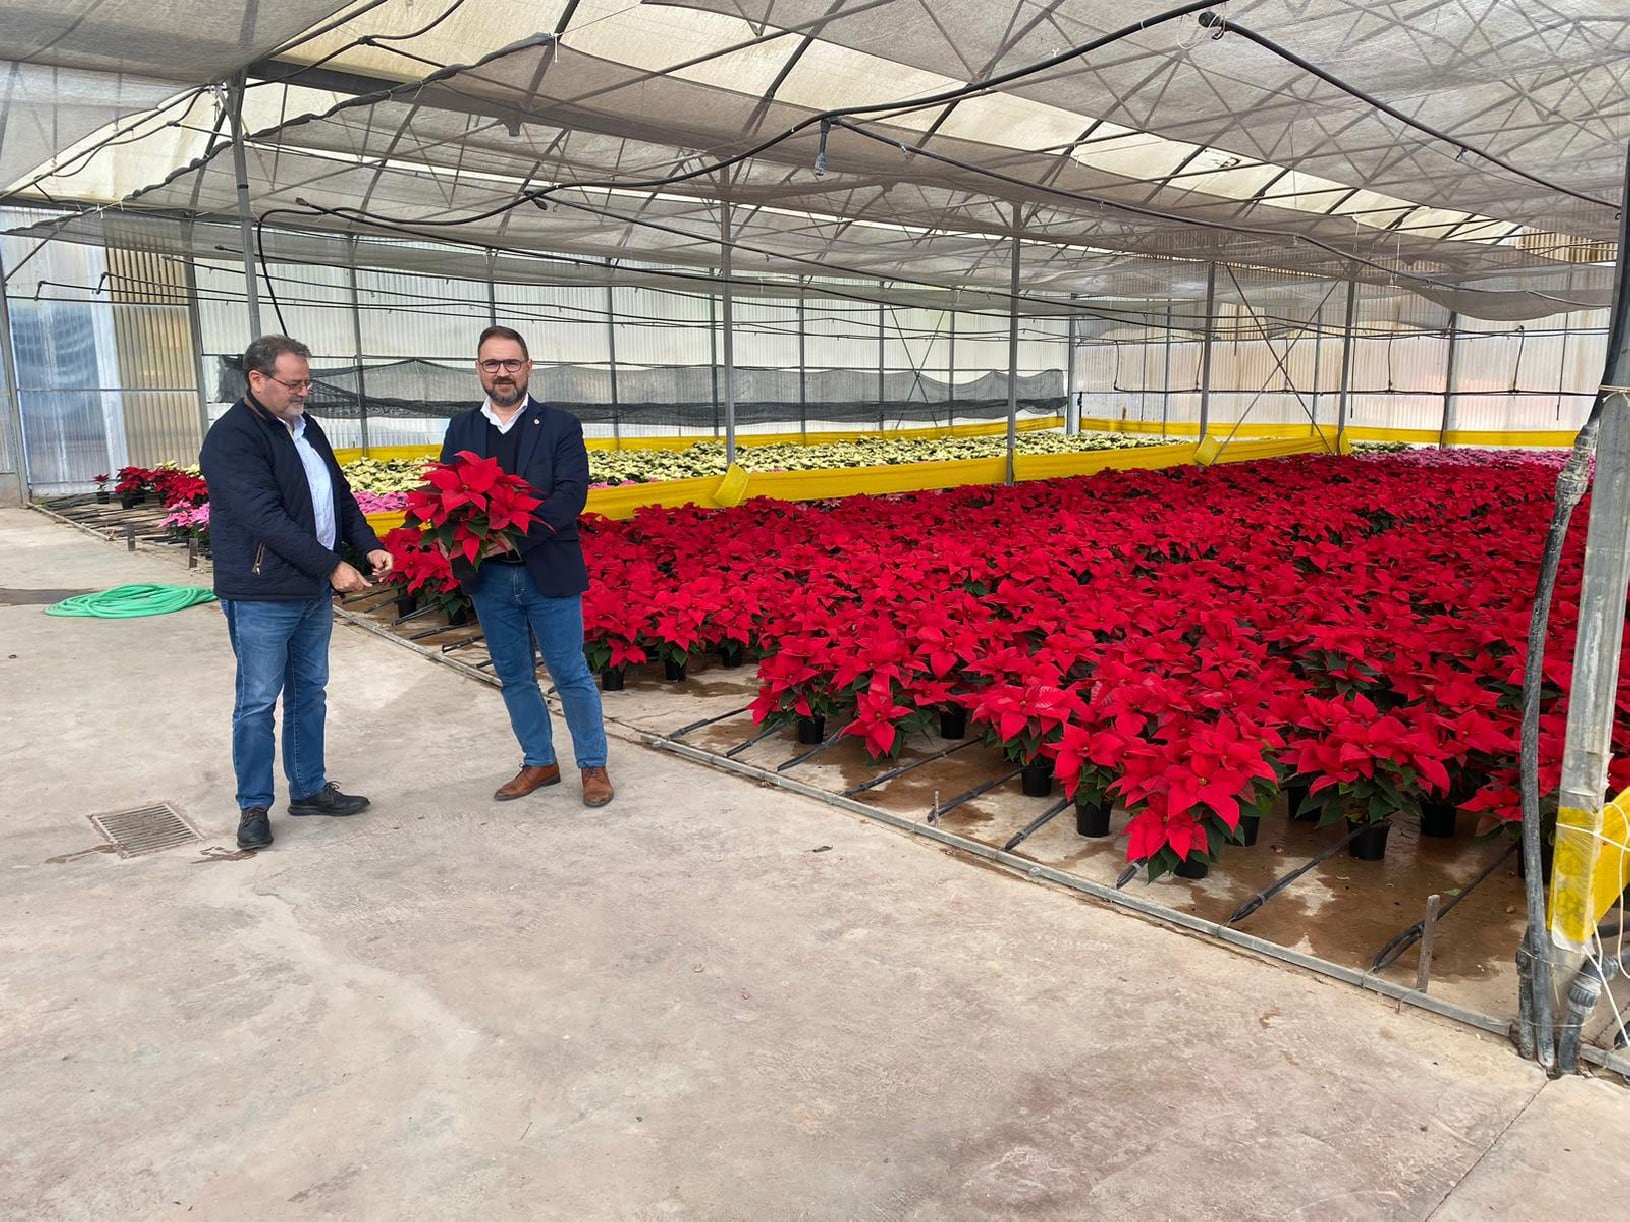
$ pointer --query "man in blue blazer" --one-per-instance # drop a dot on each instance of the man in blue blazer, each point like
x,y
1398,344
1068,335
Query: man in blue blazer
x,y
536,590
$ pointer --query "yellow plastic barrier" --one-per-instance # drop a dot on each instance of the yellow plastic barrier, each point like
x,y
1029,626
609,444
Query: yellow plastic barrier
x,y
738,485
1535,439
743,440
1591,870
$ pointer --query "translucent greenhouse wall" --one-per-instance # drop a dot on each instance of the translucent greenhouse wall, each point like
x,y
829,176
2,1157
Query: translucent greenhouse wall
x,y
124,355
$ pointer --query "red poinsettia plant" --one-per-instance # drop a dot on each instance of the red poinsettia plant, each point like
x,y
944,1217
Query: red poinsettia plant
x,y
471,508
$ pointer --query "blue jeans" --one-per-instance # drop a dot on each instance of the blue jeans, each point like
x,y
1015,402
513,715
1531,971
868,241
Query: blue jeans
x,y
512,615
281,647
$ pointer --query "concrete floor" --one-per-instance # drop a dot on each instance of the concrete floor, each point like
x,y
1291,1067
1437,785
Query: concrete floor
x,y
708,1000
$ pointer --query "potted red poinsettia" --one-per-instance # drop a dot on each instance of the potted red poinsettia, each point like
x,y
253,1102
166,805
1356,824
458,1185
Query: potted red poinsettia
x,y
1023,718
423,575
1367,765
470,508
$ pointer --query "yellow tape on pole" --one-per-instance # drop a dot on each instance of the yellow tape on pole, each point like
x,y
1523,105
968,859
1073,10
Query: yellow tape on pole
x,y
1591,870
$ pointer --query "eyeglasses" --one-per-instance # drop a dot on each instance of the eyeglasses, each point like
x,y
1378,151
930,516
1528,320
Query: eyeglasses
x,y
509,366
303,386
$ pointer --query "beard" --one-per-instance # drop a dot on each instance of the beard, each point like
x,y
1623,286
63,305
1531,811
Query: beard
x,y
507,395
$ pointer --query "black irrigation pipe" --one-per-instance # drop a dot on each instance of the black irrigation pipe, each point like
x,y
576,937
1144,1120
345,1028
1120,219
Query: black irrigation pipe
x,y
1126,875
1252,905
436,631
757,738
831,739
469,640
1220,25
707,721
413,615
888,776
1393,950
1036,824
976,791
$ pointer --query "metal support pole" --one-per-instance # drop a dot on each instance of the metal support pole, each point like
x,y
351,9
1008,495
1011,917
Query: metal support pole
x,y
729,339
1595,678
1318,360
17,452
492,288
196,328
1591,698
611,354
713,349
1343,400
882,359
950,373
356,348
1166,400
1013,348
1448,386
1072,409
245,218
1205,350
803,371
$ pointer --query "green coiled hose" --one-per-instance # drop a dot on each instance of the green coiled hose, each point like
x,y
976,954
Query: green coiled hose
x,y
132,601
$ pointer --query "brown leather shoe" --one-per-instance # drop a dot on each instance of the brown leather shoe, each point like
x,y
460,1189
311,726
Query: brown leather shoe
x,y
597,790
528,779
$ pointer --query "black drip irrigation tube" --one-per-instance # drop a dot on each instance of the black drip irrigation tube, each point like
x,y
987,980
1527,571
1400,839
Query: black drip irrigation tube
x,y
757,738
1394,949
1035,825
830,740
1251,905
888,776
708,721
973,793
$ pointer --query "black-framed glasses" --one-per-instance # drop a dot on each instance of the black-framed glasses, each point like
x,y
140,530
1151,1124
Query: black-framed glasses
x,y
303,386
510,366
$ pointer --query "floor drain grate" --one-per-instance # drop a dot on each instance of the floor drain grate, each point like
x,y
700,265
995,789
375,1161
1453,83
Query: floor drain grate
x,y
145,829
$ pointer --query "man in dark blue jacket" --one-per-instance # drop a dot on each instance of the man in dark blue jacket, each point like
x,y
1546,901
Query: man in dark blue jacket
x,y
536,589
279,508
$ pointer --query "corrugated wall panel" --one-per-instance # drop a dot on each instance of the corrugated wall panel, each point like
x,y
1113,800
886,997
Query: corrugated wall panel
x,y
156,362
427,318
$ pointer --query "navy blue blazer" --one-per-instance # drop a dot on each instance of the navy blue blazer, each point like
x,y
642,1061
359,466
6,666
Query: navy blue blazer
x,y
262,524
555,462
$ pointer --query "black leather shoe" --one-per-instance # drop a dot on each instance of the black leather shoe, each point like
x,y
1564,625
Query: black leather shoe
x,y
254,829
328,801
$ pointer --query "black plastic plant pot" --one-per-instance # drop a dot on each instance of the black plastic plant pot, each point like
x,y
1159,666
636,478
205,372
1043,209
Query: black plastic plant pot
x,y
1438,820
673,672
104,498
1036,778
1371,843
730,655
406,605
954,722
460,617
611,679
1091,819
811,731
130,500
1249,826
1192,868
1295,801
